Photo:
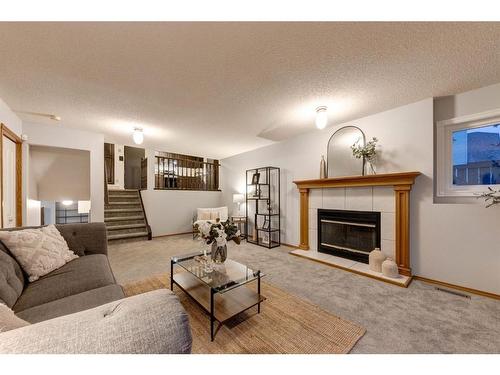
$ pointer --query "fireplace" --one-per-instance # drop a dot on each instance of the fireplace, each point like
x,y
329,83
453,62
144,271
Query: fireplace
x,y
348,234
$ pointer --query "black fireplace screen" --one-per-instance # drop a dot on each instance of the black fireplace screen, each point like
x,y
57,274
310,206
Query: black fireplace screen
x,y
348,234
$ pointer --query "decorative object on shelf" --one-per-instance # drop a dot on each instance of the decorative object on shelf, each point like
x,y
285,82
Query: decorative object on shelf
x,y
491,197
340,161
375,260
263,219
322,167
255,178
217,235
390,268
267,223
368,153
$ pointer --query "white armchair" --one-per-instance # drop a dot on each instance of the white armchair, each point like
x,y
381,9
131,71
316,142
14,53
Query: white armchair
x,y
209,215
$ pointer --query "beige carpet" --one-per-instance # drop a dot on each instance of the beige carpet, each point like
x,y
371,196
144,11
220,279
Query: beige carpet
x,y
285,325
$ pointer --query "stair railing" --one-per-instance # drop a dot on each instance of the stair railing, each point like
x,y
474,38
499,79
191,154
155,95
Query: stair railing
x,y
106,195
148,227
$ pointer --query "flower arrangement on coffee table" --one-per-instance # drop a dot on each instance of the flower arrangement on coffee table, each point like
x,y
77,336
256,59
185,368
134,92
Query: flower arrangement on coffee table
x,y
217,235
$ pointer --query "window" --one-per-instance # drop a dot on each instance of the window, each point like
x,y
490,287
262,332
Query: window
x,y
468,154
185,172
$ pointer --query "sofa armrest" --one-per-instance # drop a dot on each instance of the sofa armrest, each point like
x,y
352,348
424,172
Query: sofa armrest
x,y
149,323
85,238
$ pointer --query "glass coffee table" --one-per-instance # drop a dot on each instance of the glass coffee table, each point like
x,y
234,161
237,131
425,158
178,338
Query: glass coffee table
x,y
222,293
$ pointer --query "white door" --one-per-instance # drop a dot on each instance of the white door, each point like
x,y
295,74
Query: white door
x,y
9,183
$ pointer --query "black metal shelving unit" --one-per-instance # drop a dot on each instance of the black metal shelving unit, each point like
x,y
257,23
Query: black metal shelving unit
x,y
262,208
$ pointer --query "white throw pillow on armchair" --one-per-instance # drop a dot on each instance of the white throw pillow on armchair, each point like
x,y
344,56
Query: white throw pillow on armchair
x,y
203,213
219,213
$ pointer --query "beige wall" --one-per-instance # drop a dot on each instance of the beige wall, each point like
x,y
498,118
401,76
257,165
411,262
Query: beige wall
x,y
59,173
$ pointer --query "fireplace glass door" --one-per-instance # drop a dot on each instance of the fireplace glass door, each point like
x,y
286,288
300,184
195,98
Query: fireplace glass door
x,y
349,234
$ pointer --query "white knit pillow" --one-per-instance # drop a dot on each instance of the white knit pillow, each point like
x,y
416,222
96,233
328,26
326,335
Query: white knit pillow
x,y
38,251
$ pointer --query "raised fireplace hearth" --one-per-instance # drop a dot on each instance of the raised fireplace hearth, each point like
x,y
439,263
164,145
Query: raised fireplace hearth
x,y
348,234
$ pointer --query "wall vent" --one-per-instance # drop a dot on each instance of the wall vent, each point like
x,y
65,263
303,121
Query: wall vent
x,y
463,295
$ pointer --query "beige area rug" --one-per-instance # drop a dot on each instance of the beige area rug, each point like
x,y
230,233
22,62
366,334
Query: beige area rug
x,y
285,325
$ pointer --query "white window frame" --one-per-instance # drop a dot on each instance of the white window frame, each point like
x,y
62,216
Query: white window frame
x,y
444,130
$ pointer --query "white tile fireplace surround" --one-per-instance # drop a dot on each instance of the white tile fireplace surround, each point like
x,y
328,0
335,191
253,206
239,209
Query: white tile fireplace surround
x,y
376,199
388,194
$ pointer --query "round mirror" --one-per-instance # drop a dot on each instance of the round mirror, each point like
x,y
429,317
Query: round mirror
x,y
340,161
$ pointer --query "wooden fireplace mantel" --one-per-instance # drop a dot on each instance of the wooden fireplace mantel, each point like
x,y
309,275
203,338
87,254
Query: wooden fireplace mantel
x,y
402,183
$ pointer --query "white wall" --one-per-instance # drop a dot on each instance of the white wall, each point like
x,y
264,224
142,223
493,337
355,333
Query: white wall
x,y
171,211
58,136
10,119
451,243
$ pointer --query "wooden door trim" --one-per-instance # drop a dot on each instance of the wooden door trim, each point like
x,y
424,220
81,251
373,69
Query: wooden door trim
x,y
5,131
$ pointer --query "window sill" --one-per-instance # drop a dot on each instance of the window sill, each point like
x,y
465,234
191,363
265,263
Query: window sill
x,y
469,200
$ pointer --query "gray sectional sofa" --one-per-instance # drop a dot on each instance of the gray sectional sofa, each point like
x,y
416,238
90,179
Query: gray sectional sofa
x,y
80,308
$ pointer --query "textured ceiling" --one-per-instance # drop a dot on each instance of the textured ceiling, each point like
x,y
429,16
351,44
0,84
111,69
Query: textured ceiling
x,y
218,89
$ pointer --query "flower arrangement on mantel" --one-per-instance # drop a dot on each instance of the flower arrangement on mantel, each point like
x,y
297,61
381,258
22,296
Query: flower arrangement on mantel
x,y
219,232
368,152
491,197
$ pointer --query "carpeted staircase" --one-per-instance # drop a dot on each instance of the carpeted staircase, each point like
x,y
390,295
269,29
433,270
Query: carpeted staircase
x,y
124,217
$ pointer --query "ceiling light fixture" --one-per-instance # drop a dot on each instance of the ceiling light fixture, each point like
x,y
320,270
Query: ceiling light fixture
x,y
138,136
321,117
67,202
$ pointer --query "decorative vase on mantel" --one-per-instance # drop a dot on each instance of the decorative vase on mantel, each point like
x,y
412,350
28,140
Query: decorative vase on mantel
x,y
219,253
369,167
322,167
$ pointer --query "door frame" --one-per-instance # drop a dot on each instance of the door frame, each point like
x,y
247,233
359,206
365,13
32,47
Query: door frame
x,y
5,131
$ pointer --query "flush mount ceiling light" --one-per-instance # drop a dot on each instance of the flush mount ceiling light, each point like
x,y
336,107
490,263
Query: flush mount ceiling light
x,y
138,136
321,117
67,202
47,115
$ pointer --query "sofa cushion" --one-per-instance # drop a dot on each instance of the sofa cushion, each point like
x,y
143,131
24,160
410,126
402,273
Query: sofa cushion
x,y
85,239
39,251
79,275
8,320
72,304
11,278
